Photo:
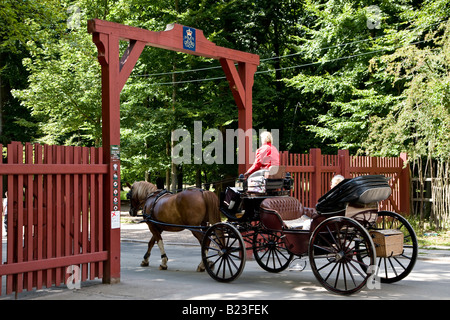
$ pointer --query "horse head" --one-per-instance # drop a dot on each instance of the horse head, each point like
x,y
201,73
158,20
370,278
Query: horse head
x,y
137,195
133,203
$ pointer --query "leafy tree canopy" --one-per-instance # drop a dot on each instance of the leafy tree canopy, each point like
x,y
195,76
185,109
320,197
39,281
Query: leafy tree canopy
x,y
368,76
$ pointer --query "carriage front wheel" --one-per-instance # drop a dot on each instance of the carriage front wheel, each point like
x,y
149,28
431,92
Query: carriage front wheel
x,y
342,255
223,252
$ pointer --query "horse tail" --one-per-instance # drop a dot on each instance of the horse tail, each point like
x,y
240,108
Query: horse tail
x,y
212,206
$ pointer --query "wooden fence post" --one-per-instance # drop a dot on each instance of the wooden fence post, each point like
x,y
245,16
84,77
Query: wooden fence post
x,y
316,177
344,163
108,47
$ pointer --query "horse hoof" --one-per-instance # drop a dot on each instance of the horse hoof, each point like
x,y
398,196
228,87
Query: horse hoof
x,y
162,267
201,269
144,264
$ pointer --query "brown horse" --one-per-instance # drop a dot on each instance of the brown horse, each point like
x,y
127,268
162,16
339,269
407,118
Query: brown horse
x,y
193,207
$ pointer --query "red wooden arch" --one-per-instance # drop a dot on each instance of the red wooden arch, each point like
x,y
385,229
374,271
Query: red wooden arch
x,y
115,72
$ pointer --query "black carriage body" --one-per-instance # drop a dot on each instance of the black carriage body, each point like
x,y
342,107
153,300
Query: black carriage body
x,y
239,206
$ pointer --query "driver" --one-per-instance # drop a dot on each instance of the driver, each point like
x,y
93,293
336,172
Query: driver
x,y
266,156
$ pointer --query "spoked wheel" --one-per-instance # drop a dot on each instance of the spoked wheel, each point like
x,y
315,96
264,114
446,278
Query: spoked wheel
x,y
341,253
223,252
270,251
395,268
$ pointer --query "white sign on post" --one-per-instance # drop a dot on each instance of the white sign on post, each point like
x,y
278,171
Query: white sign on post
x,y
115,219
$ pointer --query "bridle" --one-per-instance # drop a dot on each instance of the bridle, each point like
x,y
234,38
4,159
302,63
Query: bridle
x,y
159,194
132,208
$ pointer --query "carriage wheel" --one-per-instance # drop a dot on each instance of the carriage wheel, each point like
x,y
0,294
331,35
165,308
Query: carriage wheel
x,y
341,252
395,268
270,251
223,252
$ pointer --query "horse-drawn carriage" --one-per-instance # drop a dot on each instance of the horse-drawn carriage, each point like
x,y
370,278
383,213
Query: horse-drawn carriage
x,y
349,242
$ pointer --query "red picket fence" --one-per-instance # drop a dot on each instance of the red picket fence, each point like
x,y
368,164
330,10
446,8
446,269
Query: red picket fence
x,y
55,215
313,172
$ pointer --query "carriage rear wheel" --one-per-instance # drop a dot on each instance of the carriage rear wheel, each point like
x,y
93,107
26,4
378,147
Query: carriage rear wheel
x,y
270,252
223,252
395,268
342,255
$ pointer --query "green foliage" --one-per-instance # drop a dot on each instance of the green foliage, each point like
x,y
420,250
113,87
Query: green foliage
x,y
20,22
419,122
64,89
337,81
326,79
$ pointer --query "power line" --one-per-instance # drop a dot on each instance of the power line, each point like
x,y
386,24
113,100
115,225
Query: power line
x,y
187,81
265,59
293,67
175,72
262,60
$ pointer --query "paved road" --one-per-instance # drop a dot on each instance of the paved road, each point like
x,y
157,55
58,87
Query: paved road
x,y
430,278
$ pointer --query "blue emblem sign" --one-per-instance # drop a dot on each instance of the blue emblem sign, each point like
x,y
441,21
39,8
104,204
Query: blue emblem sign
x,y
189,38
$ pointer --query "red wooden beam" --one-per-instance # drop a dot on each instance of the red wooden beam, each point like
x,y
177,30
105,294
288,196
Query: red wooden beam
x,y
241,84
128,60
53,169
50,263
171,39
108,56
236,84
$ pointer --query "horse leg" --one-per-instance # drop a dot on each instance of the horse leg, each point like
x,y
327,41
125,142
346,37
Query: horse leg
x,y
199,236
164,259
151,243
156,237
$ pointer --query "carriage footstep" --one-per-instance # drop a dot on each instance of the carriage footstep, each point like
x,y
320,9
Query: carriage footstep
x,y
298,265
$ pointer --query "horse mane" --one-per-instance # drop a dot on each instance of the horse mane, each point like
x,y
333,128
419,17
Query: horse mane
x,y
142,189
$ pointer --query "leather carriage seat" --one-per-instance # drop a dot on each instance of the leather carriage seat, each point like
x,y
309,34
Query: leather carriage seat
x,y
282,212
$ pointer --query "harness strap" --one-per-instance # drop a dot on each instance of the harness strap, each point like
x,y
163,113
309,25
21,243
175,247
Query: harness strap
x,y
161,194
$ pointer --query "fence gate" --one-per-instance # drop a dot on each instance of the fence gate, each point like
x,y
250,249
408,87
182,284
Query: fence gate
x,y
55,217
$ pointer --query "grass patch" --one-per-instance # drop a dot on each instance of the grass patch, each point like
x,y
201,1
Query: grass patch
x,y
432,238
428,236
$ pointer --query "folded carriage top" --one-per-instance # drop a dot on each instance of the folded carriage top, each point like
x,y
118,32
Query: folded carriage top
x,y
361,190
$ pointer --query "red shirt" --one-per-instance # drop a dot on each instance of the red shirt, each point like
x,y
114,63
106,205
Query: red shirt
x,y
266,156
